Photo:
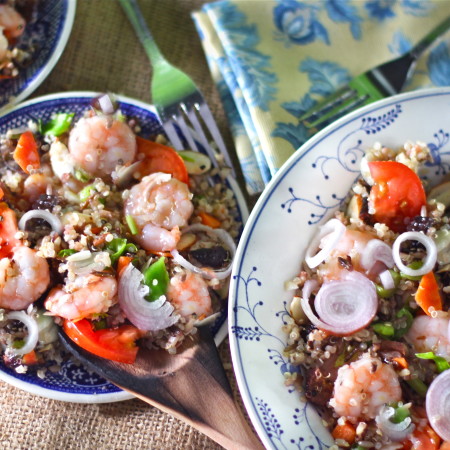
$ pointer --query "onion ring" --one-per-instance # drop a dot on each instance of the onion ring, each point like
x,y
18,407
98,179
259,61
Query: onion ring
x,y
437,404
333,227
394,431
50,218
33,331
377,250
145,315
430,247
343,306
206,272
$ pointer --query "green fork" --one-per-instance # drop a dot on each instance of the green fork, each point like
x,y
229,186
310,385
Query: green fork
x,y
377,83
179,103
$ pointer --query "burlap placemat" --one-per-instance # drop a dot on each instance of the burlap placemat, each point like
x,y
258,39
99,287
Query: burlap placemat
x,y
103,54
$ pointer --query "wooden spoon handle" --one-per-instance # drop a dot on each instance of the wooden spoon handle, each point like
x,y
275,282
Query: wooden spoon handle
x,y
198,392
191,385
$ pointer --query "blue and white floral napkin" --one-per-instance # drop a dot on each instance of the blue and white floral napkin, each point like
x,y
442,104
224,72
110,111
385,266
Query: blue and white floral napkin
x,y
272,60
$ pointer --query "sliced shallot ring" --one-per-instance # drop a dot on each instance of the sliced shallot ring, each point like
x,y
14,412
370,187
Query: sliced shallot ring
x,y
145,315
32,337
377,250
395,431
207,272
387,280
333,227
50,218
343,306
437,404
430,259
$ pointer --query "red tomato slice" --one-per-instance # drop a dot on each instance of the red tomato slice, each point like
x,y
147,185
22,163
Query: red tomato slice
x,y
397,195
26,153
161,158
8,229
116,344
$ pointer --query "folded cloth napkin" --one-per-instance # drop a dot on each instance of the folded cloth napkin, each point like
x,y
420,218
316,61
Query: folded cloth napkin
x,y
272,60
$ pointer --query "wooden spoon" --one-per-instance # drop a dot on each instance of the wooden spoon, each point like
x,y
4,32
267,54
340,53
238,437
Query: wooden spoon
x,y
191,385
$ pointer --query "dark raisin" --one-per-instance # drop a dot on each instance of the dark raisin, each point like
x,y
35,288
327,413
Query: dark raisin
x,y
420,223
46,202
346,263
215,257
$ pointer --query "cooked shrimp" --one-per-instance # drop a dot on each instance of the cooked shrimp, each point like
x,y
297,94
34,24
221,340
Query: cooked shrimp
x,y
430,334
189,294
351,244
23,278
35,185
11,21
159,205
99,144
86,296
363,387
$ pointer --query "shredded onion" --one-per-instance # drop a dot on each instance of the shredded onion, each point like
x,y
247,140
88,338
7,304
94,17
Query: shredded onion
x,y
207,272
386,280
430,259
377,250
50,218
106,104
336,229
343,306
148,316
85,262
437,404
32,337
394,431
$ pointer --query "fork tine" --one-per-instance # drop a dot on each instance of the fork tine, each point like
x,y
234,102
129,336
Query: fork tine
x,y
208,118
201,134
338,111
334,100
172,134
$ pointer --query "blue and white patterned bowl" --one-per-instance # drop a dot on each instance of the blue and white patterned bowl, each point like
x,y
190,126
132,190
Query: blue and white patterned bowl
x,y
49,32
73,382
306,191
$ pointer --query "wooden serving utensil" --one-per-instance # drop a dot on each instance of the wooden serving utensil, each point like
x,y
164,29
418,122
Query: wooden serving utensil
x,y
190,385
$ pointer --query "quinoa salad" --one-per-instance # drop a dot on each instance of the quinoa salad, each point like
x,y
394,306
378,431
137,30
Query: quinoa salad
x,y
113,236
369,323
15,53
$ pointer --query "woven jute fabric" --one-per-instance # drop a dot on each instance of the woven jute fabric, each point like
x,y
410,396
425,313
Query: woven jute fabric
x,y
103,54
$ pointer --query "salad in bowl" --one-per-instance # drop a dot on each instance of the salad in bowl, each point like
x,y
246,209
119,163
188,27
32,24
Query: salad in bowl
x,y
109,233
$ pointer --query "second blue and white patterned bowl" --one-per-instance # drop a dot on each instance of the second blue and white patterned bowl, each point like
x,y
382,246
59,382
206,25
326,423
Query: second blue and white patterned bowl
x,y
306,191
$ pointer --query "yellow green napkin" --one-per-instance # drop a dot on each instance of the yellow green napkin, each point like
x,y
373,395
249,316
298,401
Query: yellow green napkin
x,y
272,60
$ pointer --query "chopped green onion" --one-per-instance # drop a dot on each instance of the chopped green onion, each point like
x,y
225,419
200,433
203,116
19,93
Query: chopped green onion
x,y
340,360
18,343
156,278
58,125
384,293
400,413
415,265
404,312
82,176
131,225
86,192
99,324
66,252
131,248
395,276
385,329
418,386
441,363
118,246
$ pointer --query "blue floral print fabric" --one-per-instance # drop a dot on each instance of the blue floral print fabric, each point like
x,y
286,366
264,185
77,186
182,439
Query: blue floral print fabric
x,y
272,60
